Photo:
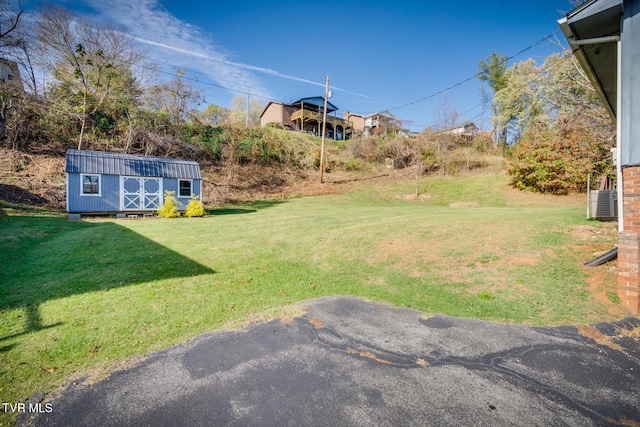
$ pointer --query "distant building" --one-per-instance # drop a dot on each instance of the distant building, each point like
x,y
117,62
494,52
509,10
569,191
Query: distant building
x,y
10,73
383,123
357,121
466,131
278,113
306,115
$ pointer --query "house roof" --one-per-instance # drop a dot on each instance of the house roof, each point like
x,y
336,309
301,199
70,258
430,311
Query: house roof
x,y
315,103
466,127
591,30
264,110
384,113
105,163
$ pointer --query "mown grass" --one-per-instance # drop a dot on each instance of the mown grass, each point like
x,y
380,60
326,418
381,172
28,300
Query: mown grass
x,y
78,297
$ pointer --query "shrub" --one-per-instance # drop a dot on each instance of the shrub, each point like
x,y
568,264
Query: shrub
x,y
486,295
369,149
353,165
170,207
104,123
557,159
195,207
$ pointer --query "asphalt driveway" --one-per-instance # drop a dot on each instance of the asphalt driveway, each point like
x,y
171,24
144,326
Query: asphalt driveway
x,y
355,363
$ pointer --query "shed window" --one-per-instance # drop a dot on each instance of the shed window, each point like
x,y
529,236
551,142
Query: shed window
x,y
185,188
90,184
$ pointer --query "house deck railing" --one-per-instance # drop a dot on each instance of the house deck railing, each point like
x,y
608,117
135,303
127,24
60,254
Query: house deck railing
x,y
312,115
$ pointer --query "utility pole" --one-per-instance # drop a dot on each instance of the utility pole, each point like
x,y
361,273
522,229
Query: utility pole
x,y
324,125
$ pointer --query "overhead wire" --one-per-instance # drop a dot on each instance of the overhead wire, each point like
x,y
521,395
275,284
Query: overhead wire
x,y
475,76
397,106
522,87
486,110
392,108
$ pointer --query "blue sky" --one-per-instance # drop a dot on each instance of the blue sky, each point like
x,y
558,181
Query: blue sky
x,y
396,56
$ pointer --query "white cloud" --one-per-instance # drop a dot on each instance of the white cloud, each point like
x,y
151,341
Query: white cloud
x,y
221,59
179,44
184,46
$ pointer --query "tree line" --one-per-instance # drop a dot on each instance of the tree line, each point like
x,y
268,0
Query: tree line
x,y
85,84
551,121
83,81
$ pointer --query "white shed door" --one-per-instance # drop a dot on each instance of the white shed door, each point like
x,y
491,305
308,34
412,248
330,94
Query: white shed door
x,y
139,193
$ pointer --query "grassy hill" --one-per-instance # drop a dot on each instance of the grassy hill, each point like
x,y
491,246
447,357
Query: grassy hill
x,y
82,298
248,164
443,234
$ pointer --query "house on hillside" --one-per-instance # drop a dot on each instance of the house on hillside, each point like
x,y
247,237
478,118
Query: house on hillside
x,y
357,121
277,113
382,123
604,35
101,182
307,115
379,122
9,72
466,131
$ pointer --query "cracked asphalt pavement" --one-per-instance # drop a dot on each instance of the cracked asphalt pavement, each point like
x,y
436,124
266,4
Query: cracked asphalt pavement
x,y
351,362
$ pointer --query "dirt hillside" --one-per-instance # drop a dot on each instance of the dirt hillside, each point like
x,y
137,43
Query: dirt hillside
x,y
40,180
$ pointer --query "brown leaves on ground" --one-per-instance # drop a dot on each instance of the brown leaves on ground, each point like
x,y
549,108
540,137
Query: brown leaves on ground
x,y
30,179
600,338
316,323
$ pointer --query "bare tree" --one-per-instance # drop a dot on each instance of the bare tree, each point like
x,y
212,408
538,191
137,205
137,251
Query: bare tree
x,y
176,98
9,20
447,118
10,38
16,42
238,111
89,59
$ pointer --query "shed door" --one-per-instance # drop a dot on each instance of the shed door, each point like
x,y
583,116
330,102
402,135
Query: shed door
x,y
140,193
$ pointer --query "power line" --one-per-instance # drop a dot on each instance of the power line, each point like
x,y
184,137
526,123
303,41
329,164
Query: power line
x,y
282,97
475,76
392,108
243,92
538,76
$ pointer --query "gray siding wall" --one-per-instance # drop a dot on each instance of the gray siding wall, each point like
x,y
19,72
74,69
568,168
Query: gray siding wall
x,y
171,184
630,90
109,199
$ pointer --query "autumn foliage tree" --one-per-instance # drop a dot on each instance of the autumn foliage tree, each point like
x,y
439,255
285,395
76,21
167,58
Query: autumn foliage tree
x,y
557,159
492,71
238,111
560,131
91,64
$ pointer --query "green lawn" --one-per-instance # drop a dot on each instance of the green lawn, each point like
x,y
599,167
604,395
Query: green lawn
x,y
77,298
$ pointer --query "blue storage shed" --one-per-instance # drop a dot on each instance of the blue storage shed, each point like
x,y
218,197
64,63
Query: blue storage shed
x,y
103,182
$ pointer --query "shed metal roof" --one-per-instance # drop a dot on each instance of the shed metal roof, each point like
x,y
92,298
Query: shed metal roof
x,y
105,163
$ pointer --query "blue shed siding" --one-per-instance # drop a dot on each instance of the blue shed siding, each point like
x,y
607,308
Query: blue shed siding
x,y
108,201
630,90
171,184
111,167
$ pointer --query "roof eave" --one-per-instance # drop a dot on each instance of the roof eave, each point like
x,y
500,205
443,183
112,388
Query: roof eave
x,y
586,65
592,30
